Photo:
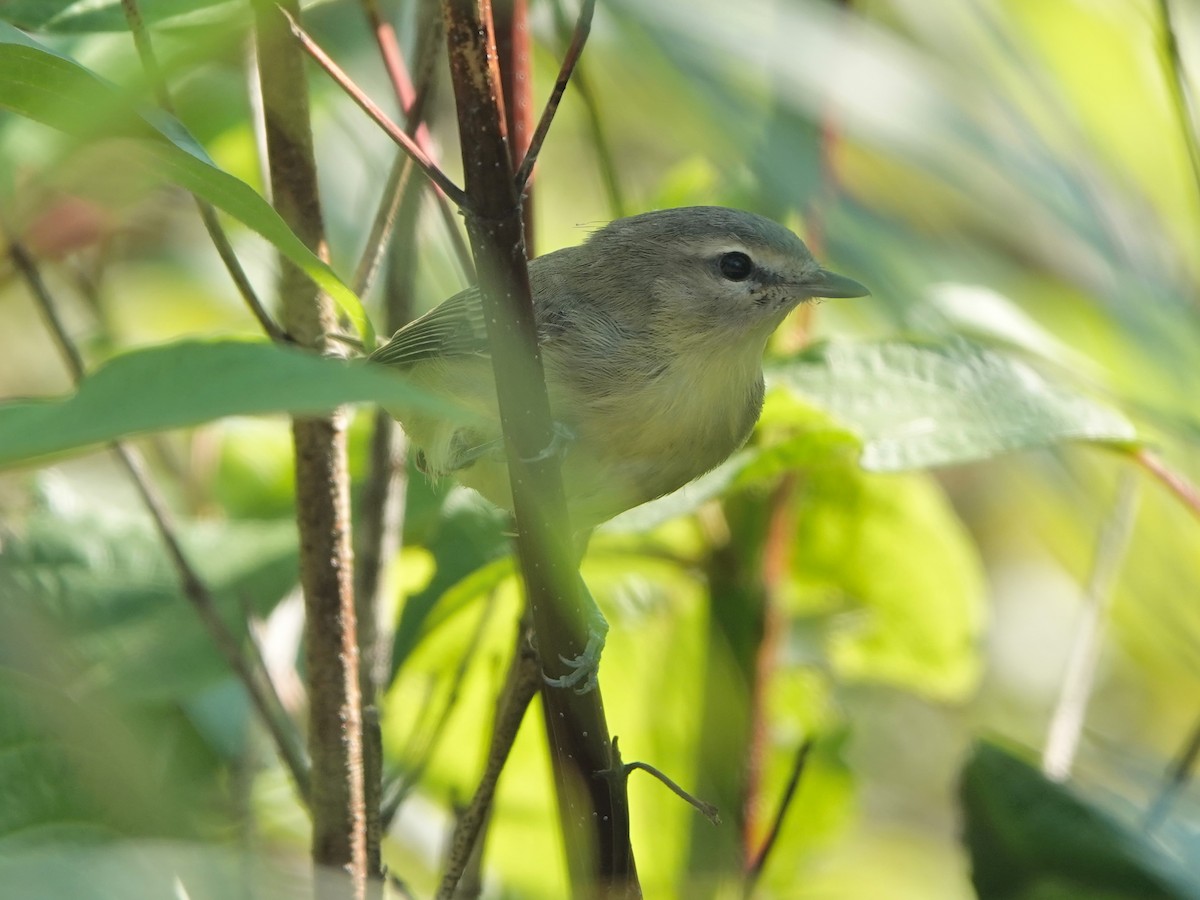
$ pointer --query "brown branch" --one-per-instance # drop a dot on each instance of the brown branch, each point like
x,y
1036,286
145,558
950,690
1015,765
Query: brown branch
x,y
601,145
755,870
377,115
243,660
412,100
208,215
399,791
583,27
592,813
1186,492
322,478
522,682
511,22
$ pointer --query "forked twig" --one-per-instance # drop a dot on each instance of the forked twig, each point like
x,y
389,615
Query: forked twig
x,y
377,115
583,27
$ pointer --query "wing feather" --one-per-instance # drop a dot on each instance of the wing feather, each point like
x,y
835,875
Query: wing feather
x,y
452,328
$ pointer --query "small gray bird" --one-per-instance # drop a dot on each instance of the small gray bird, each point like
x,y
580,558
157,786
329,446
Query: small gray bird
x,y
652,335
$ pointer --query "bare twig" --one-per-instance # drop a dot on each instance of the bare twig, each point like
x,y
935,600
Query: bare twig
x,y
601,145
243,659
1066,723
1178,775
706,809
377,115
396,794
522,682
1186,492
583,27
322,478
755,870
412,100
208,215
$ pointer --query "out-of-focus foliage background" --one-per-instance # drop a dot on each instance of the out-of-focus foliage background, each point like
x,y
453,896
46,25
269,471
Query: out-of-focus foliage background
x,y
931,492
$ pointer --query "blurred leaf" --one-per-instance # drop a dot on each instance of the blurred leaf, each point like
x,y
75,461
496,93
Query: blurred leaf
x,y
887,564
187,383
917,406
48,87
94,15
100,583
1031,838
151,870
43,796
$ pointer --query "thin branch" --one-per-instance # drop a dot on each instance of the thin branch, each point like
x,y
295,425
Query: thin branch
x,y
208,215
601,145
244,660
522,682
1178,85
799,762
1066,723
1186,492
583,27
403,787
1178,776
706,809
413,101
377,115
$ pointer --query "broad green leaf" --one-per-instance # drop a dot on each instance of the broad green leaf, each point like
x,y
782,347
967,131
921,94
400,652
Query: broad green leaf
x,y
1030,837
917,406
41,84
187,383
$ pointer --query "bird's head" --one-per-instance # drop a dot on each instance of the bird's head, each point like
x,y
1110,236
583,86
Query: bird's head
x,y
712,271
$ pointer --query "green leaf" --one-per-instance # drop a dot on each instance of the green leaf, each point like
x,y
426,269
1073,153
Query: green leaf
x,y
187,383
48,87
893,577
1029,837
916,406
95,15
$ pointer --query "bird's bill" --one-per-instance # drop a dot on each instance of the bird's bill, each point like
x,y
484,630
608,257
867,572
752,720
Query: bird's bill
x,y
824,283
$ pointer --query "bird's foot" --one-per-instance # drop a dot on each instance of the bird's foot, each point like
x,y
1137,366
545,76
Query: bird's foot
x,y
562,436
586,666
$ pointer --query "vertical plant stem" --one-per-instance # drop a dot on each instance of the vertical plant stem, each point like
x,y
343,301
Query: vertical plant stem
x,y
1066,724
322,479
592,813
726,752
516,77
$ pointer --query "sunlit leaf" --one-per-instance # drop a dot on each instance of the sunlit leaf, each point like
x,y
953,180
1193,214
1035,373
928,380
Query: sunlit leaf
x,y
48,87
917,406
187,383
892,572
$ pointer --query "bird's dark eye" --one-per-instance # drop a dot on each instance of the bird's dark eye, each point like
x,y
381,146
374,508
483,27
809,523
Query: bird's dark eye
x,y
735,265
